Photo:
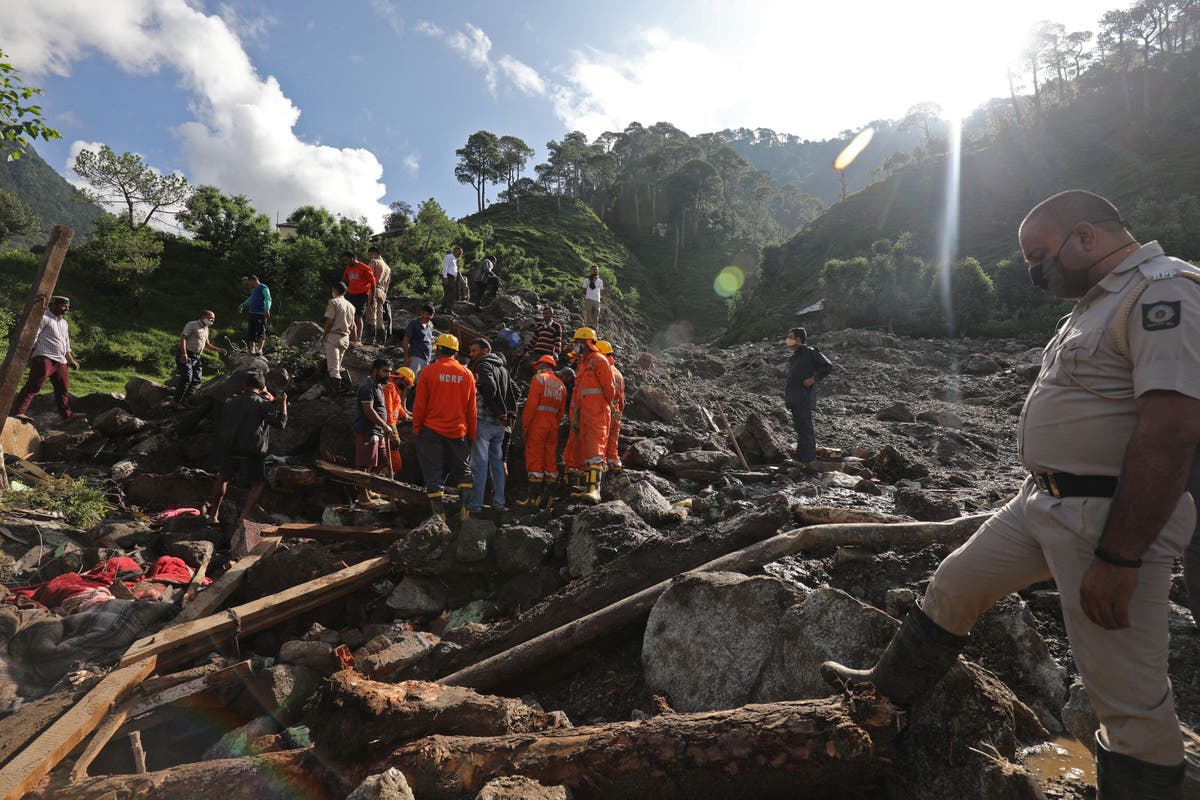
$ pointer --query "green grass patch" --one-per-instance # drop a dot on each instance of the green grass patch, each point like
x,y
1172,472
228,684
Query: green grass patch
x,y
80,503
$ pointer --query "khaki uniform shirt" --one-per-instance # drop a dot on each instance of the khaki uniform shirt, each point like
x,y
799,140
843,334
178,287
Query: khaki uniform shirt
x,y
1081,412
196,335
341,311
383,274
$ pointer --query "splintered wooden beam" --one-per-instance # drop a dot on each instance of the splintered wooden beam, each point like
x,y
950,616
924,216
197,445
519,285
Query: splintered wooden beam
x,y
43,754
26,330
139,709
179,643
333,533
210,599
403,492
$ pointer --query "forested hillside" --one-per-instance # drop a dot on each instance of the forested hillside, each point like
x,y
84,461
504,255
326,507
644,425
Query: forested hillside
x,y
45,193
1125,127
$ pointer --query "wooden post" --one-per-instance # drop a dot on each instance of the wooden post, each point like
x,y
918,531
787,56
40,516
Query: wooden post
x,y
139,753
26,331
737,447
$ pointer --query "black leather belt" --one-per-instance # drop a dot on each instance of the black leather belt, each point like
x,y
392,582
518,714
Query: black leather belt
x,y
1063,484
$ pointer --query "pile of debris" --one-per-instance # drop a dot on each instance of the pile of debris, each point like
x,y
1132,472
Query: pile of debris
x,y
668,637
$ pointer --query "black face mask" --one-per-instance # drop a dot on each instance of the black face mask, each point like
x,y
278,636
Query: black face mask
x,y
1075,282
592,282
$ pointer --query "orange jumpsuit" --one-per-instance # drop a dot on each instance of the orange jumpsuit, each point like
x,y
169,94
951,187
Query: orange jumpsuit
x,y
544,409
591,407
611,457
393,400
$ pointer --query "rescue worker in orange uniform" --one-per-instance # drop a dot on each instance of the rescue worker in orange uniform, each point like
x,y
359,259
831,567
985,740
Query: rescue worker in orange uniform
x,y
443,419
545,406
612,459
394,392
591,410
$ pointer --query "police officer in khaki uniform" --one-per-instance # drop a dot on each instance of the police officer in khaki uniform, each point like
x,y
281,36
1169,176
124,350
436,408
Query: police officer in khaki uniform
x,y
1107,433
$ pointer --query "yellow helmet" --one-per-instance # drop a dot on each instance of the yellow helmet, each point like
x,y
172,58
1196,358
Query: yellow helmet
x,y
604,347
448,341
584,333
406,373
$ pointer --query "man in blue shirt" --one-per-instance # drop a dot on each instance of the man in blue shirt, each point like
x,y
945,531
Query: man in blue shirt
x,y
418,341
258,305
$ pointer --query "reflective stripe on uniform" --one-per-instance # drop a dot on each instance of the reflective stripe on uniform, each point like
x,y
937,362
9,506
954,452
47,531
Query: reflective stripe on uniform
x,y
592,391
551,409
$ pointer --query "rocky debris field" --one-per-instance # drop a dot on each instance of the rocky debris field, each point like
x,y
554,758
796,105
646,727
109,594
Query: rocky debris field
x,y
665,641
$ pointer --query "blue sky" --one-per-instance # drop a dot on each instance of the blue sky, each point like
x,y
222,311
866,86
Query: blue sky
x,y
386,90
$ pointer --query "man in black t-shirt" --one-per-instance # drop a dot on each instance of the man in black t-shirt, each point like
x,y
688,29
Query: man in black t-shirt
x,y
371,431
244,438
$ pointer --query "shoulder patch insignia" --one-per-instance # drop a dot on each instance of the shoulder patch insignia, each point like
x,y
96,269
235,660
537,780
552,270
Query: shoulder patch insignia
x,y
1162,275
1162,315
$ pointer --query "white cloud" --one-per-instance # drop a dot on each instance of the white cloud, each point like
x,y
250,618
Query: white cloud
x,y
243,138
390,13
412,163
475,46
523,76
248,28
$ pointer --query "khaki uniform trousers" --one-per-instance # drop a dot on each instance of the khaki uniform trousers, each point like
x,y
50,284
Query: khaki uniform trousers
x,y
375,308
591,313
1037,536
336,345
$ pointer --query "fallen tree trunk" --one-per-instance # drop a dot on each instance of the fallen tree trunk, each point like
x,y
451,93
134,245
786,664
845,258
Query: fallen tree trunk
x,y
652,561
274,776
515,661
333,533
353,715
818,748
412,497
828,748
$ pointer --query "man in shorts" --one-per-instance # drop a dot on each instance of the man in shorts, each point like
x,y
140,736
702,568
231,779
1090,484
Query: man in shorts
x,y
244,438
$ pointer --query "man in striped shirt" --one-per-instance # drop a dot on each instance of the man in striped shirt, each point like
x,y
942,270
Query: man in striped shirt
x,y
547,338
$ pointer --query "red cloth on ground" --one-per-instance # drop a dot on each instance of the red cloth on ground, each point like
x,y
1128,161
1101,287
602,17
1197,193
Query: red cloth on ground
x,y
169,569
52,593
129,570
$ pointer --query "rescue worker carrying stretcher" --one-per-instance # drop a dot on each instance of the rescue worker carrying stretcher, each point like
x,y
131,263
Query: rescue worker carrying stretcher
x,y
544,409
591,410
444,418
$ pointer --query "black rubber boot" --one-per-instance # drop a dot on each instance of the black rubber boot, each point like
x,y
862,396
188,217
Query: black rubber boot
x,y
1122,777
437,503
917,657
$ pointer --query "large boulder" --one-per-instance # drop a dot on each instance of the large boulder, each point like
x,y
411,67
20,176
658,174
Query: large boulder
x,y
518,787
307,419
640,494
183,487
418,597
601,533
655,401
282,690
146,398
709,635
223,387
926,506
520,548
759,442
95,403
646,453
891,465
700,465
299,333
117,422
828,625
20,438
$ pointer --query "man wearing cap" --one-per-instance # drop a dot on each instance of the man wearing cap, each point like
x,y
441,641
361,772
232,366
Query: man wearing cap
x,y
545,406
593,285
335,338
190,358
612,458
372,433
360,286
379,315
258,310
444,418
591,410
1108,433
49,361
244,439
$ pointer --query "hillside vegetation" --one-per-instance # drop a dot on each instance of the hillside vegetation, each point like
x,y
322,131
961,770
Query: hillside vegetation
x,y
1146,159
47,195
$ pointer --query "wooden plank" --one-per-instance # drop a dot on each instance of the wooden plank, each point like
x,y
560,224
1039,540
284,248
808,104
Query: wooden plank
x,y
33,763
136,719
26,329
403,492
178,642
139,753
197,581
218,591
333,533
103,735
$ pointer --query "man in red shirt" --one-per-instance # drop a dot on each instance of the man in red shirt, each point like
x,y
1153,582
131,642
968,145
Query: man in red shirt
x,y
360,284
443,420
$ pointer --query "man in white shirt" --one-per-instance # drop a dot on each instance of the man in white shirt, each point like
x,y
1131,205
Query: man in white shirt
x,y
339,322
592,286
379,316
450,279
49,360
190,358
